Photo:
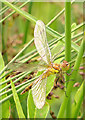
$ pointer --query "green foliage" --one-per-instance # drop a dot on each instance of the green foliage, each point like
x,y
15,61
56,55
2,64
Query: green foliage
x,y
73,77
17,102
78,99
58,38
50,83
30,106
4,107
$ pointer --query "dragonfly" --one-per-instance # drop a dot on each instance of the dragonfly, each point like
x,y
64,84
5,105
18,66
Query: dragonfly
x,y
39,85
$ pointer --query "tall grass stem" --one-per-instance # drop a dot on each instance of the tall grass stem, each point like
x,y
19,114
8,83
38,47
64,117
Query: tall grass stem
x,y
68,48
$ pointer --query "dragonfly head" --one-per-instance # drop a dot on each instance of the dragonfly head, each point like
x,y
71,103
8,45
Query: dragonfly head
x,y
65,66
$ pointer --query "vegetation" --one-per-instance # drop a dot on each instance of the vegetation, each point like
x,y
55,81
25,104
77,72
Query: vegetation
x,y
64,27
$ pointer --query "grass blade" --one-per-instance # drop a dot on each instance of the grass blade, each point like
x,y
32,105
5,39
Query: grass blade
x,y
78,100
17,102
3,106
27,24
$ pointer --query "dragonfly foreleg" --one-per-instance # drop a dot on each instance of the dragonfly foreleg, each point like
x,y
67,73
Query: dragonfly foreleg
x,y
65,93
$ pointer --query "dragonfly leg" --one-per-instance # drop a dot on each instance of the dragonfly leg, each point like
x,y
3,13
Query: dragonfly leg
x,y
70,80
56,80
65,93
63,80
70,72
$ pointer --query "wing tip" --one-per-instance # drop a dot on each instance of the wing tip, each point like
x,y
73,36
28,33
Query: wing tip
x,y
40,105
39,22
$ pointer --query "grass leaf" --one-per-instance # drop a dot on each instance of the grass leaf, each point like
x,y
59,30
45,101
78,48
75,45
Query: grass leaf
x,y
78,99
17,102
4,106
30,106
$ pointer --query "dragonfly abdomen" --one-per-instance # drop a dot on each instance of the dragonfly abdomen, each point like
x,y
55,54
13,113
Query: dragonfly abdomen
x,y
26,89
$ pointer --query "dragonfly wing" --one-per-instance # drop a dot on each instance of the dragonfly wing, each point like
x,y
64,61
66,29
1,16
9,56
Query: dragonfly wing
x,y
39,92
40,40
21,67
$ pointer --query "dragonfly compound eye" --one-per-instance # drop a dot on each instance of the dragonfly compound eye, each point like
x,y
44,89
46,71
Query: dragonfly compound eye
x,y
65,66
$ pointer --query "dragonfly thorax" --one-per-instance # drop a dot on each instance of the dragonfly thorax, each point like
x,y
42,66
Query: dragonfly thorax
x,y
55,68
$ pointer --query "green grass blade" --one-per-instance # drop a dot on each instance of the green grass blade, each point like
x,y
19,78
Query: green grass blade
x,y
4,9
12,12
68,31
30,106
23,86
4,107
23,13
27,24
58,15
78,99
26,73
17,102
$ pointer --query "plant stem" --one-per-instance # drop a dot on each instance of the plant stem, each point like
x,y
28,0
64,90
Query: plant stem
x,y
73,77
68,48
68,31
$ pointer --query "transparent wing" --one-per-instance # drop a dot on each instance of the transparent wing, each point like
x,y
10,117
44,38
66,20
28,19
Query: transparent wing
x,y
40,41
57,50
39,92
34,65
